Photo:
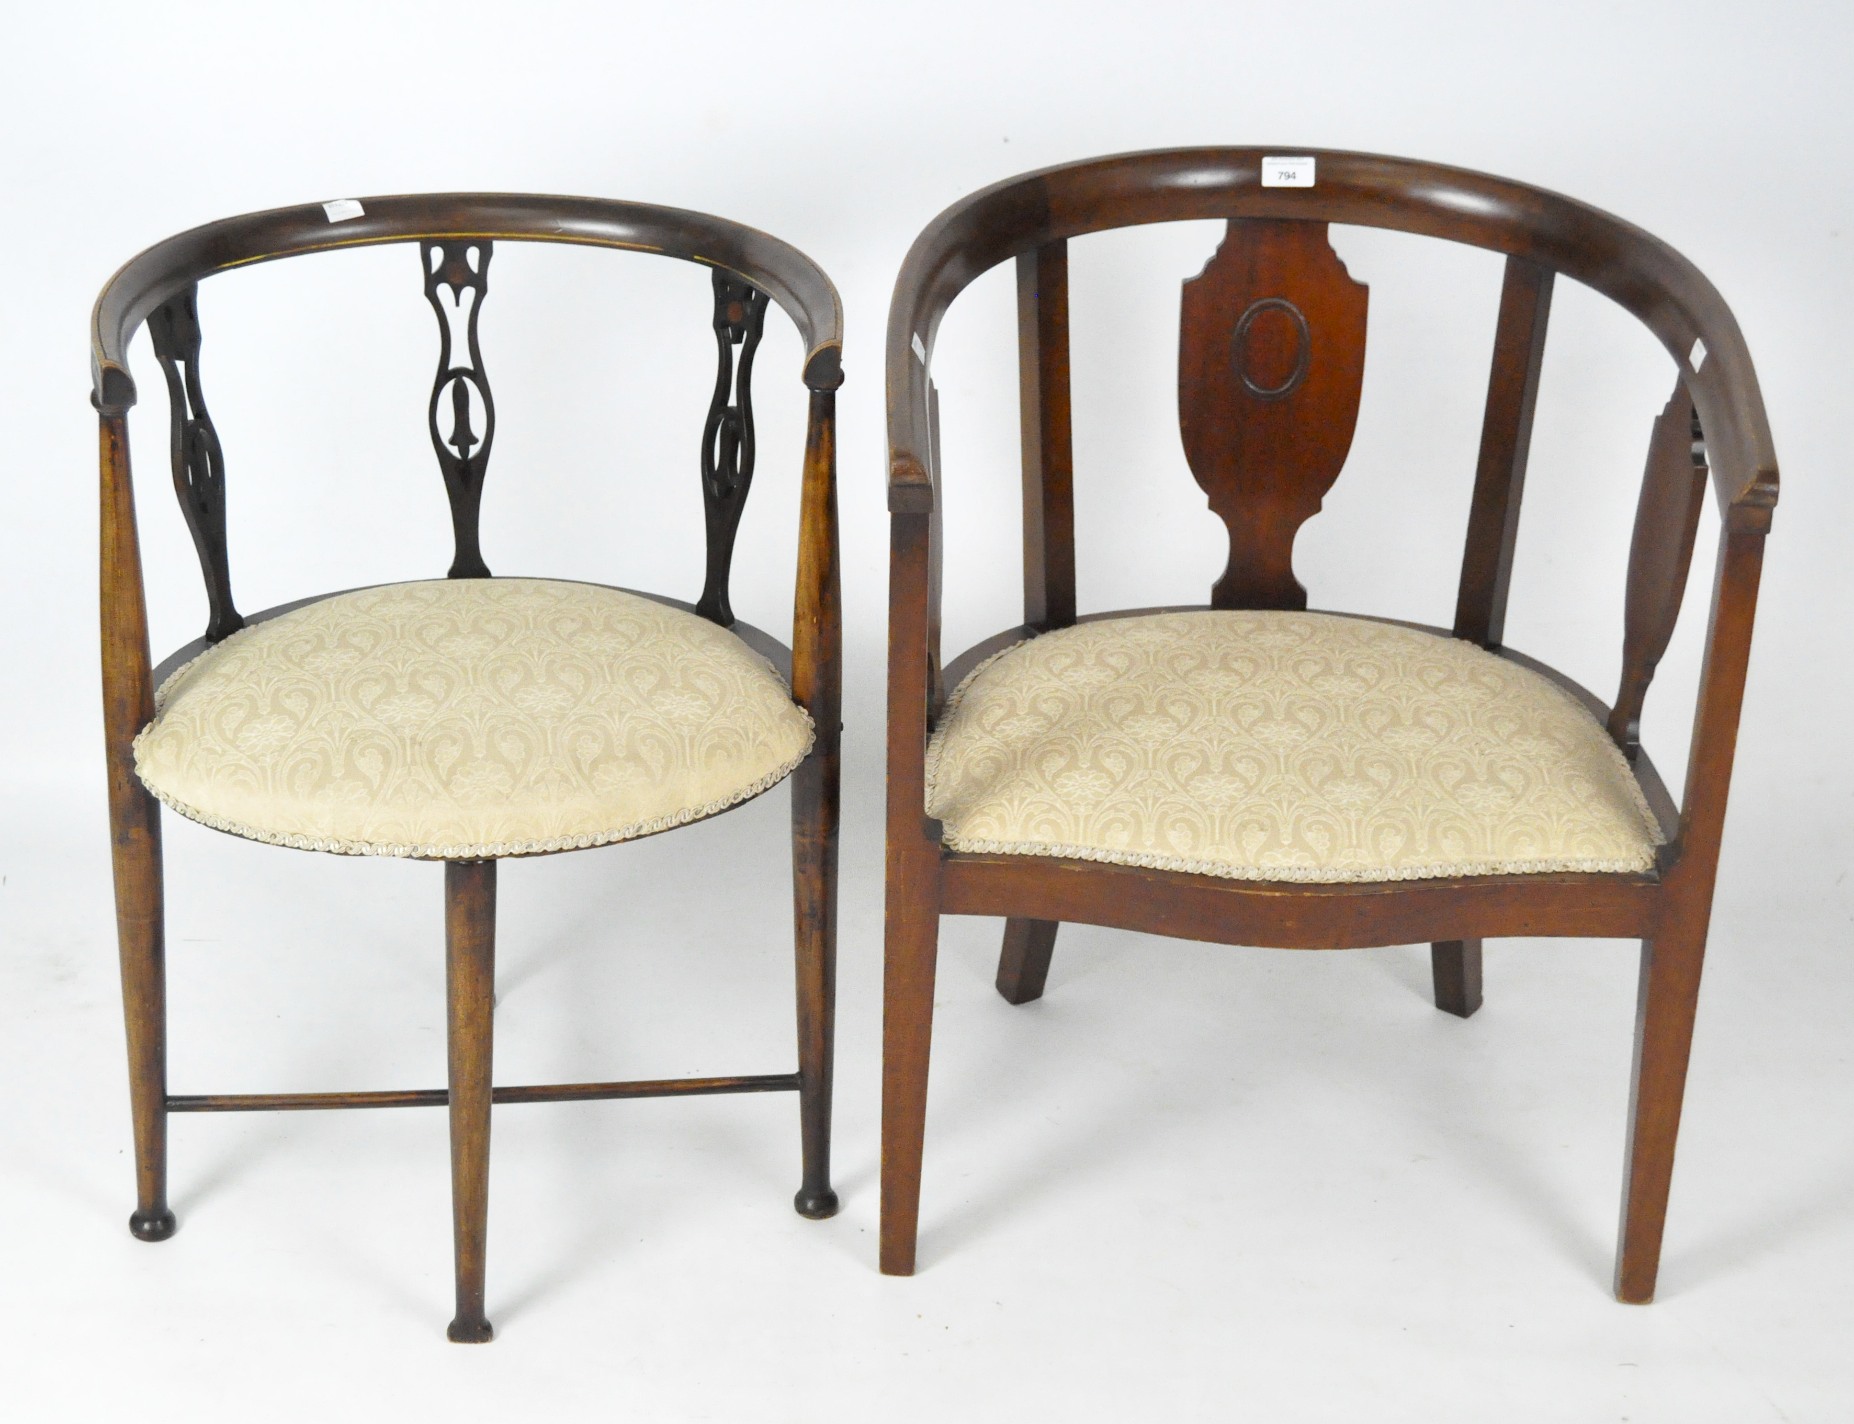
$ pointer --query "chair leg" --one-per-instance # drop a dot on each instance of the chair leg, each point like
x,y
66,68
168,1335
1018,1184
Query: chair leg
x,y
907,1032
1668,999
470,974
1023,963
1456,967
814,898
140,933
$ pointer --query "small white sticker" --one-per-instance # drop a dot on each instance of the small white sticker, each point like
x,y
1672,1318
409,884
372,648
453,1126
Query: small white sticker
x,y
920,351
1697,356
344,210
1288,172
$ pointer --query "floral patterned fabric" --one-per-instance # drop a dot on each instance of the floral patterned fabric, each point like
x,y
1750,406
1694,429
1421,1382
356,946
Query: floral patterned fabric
x,y
467,718
1281,746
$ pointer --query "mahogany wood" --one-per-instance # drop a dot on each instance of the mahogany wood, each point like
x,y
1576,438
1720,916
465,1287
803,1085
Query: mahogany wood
x,y
1506,442
1048,443
1455,964
456,282
1023,965
135,833
441,1097
1543,236
912,926
1666,525
198,460
727,437
456,233
470,978
1271,362
817,683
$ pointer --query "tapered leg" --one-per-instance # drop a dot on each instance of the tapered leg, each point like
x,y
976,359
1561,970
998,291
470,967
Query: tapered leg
x,y
907,1033
470,974
1669,995
1023,964
1456,966
136,844
814,898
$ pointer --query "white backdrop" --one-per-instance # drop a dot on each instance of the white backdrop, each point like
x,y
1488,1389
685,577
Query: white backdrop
x,y
1193,1183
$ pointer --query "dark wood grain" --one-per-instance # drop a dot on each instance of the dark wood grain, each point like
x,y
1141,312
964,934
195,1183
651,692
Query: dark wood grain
x,y
470,977
1660,554
1023,963
817,684
512,1093
1666,1002
1271,363
1048,439
912,917
1638,271
1455,967
135,832
198,460
456,282
1506,442
1543,236
793,280
728,445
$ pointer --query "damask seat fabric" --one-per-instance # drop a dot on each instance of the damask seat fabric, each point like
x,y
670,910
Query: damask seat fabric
x,y
1281,746
469,718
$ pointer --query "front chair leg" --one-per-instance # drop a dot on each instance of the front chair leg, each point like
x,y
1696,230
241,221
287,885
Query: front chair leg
x,y
136,847
470,975
913,935
1668,999
1023,963
1456,967
814,900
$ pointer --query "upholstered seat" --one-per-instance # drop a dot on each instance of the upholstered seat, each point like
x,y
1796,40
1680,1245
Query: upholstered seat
x,y
467,718
1281,746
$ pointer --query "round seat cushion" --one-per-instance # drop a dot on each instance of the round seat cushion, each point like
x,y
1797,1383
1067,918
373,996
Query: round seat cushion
x,y
470,718
1281,746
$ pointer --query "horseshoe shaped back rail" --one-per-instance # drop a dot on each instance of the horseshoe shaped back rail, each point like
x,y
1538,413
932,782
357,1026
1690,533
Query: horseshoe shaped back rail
x,y
457,234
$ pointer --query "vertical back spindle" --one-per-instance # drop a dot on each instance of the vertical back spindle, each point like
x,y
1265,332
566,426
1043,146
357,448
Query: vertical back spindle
x,y
1506,439
456,281
1048,445
727,437
199,463
1661,552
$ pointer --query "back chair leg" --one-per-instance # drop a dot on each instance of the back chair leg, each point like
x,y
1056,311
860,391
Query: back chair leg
x,y
470,975
907,1035
1023,964
1456,967
1669,997
814,900
136,852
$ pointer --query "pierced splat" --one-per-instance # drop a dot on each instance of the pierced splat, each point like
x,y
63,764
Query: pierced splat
x,y
1666,525
199,464
456,281
1271,360
727,438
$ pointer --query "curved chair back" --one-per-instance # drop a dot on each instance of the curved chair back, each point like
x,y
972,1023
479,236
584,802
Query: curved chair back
x,y
457,234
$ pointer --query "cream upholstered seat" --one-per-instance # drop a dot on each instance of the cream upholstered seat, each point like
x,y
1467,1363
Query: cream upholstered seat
x,y
469,718
1281,746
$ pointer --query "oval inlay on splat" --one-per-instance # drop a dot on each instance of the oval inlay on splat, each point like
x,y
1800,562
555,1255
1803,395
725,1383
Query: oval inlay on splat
x,y
1249,343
